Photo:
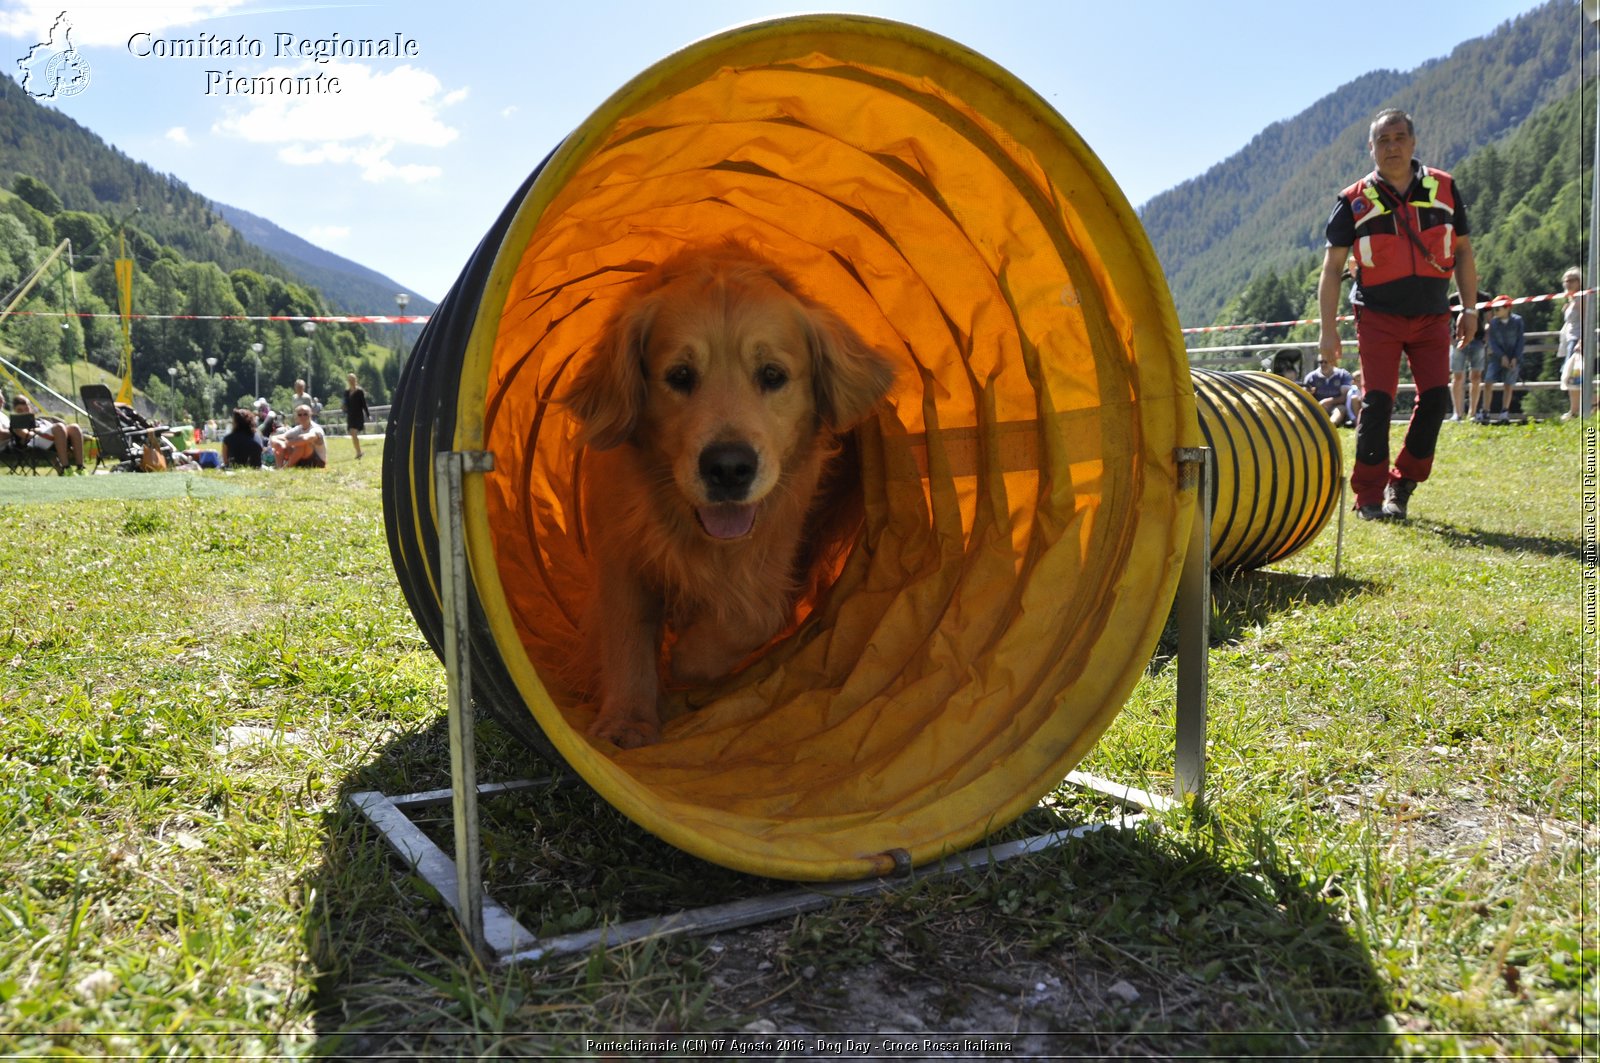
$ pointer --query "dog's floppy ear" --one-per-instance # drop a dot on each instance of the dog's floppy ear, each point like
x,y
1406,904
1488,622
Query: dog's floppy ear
x,y
850,377
608,393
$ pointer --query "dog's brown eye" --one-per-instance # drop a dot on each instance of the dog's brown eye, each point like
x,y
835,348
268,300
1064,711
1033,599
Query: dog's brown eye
x,y
680,378
773,377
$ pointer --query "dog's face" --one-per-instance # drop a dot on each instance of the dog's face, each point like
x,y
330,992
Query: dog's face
x,y
720,373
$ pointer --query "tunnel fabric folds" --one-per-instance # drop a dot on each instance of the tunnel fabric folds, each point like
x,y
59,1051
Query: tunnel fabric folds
x,y
1025,526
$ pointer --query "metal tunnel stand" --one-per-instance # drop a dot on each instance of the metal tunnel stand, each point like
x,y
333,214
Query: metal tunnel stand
x,y
1195,472
449,469
494,933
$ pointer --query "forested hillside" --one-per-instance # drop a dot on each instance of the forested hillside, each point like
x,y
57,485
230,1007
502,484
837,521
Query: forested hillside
x,y
1239,243
87,174
1526,215
1531,191
1261,212
182,297
58,180
90,175
347,285
1186,222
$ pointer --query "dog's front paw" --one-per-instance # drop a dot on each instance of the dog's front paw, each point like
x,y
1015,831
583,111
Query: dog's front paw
x,y
627,730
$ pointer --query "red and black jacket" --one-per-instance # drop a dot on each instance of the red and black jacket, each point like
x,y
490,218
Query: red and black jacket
x,y
1402,247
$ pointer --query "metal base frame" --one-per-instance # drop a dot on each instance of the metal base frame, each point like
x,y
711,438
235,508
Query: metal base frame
x,y
494,933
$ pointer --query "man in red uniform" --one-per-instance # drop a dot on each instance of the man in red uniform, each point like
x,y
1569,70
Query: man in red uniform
x,y
1405,227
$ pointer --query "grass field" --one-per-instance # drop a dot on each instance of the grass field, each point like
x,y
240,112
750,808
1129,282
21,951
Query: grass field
x,y
1398,860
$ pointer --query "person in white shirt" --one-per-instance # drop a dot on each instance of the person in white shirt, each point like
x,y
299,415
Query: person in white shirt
x,y
302,445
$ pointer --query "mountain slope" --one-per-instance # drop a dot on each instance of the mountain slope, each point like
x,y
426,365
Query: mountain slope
x,y
348,285
91,175
1264,208
1205,209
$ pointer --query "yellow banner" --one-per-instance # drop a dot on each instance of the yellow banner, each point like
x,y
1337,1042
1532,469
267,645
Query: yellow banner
x,y
124,268
125,289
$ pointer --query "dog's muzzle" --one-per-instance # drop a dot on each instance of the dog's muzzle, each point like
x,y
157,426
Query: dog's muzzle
x,y
728,470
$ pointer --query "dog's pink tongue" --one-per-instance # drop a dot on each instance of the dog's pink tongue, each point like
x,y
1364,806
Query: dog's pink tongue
x,y
729,520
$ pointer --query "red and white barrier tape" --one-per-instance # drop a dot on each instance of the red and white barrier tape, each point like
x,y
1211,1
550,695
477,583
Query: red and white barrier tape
x,y
422,319
1348,317
331,319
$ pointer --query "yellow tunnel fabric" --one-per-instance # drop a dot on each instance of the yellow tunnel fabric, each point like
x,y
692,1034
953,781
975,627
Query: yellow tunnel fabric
x,y
1025,524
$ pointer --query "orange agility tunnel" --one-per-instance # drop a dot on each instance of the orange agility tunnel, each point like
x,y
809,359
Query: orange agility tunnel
x,y
1025,523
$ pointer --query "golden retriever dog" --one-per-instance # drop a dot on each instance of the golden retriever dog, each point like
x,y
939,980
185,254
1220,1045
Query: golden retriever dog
x,y
712,411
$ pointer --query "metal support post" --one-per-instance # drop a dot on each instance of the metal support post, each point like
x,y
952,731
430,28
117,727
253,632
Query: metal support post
x,y
1338,543
449,470
1194,629
1591,281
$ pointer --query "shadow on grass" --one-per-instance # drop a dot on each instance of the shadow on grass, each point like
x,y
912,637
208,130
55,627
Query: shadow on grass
x,y
1120,941
1479,539
148,487
1242,601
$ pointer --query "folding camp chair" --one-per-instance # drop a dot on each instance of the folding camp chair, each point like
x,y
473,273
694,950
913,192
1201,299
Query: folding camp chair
x,y
116,445
18,454
13,451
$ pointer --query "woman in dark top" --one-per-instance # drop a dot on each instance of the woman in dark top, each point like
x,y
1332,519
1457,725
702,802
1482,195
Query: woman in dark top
x,y
355,410
241,447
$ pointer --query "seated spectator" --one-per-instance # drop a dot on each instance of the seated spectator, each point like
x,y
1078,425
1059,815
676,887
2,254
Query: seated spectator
x,y
241,447
1330,386
1504,341
50,433
1352,402
304,445
1286,363
266,420
7,441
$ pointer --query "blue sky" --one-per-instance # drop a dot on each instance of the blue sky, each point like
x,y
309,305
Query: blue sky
x,y
404,169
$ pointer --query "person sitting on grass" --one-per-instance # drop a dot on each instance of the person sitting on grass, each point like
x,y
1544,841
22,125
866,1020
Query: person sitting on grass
x,y
1330,386
50,433
241,447
303,445
266,420
1352,402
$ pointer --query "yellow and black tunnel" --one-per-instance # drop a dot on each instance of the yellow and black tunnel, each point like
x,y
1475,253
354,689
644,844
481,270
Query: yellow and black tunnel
x,y
1278,466
1025,523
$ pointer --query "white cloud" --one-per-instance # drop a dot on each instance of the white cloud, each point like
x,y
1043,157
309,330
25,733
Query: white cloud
x,y
371,158
104,23
178,135
373,113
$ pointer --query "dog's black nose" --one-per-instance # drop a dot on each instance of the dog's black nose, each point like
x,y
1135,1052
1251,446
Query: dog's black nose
x,y
728,470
